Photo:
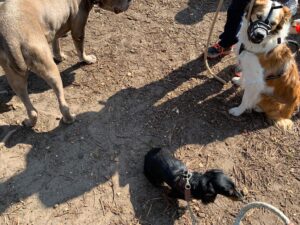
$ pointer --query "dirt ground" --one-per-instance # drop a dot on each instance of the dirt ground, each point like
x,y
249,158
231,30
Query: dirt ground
x,y
148,88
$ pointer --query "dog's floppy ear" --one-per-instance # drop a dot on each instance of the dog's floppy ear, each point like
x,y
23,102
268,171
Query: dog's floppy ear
x,y
210,188
257,4
209,194
287,15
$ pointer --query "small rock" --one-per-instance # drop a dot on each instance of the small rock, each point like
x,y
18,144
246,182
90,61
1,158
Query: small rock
x,y
201,215
245,191
55,206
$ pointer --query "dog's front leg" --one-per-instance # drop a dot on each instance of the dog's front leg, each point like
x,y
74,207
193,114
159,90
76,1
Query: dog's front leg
x,y
78,33
57,54
252,81
250,98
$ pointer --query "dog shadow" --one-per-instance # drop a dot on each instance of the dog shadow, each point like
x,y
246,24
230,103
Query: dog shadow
x,y
109,145
194,12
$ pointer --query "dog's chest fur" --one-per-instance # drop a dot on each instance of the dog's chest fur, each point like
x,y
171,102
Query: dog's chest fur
x,y
253,74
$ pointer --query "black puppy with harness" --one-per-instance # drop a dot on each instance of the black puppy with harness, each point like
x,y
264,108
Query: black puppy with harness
x,y
161,167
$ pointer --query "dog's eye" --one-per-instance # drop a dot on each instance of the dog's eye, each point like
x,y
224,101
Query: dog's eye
x,y
273,23
259,16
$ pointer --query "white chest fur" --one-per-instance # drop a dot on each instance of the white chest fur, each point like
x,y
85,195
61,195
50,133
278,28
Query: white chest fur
x,y
252,81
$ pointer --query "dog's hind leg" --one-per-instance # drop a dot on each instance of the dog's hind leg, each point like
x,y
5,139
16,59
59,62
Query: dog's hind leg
x,y
278,112
42,63
18,82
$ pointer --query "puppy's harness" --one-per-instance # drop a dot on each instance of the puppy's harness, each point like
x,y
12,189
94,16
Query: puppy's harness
x,y
279,73
183,184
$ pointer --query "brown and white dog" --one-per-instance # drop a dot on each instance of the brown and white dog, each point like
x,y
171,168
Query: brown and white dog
x,y
26,28
270,76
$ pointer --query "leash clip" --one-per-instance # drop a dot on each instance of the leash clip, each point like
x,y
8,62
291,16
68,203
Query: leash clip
x,y
187,176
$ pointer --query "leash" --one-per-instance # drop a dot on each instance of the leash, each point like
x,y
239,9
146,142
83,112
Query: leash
x,y
210,34
193,217
208,42
246,208
187,194
271,208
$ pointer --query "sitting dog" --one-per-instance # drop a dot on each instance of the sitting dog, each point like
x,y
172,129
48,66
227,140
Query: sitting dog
x,y
161,167
270,76
26,28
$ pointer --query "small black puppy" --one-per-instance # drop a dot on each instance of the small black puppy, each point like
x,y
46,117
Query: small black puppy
x,y
160,166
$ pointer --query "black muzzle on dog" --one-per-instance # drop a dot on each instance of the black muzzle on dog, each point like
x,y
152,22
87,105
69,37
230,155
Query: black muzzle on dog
x,y
258,30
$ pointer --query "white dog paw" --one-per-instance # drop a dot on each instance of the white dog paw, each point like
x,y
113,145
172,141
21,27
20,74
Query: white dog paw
x,y
235,111
236,81
89,59
284,124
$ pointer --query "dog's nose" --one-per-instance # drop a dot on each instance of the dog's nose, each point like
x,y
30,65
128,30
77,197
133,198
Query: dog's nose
x,y
260,35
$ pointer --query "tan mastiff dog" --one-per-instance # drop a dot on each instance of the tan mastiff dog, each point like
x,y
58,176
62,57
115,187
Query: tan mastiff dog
x,y
26,28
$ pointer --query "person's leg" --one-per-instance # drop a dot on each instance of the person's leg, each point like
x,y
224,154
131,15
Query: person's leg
x,y
233,24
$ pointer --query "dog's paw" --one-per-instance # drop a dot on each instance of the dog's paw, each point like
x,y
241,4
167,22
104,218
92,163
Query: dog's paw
x,y
59,58
89,59
236,81
235,111
29,123
284,124
69,119
32,120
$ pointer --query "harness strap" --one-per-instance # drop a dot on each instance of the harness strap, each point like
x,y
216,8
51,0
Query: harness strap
x,y
183,184
270,13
